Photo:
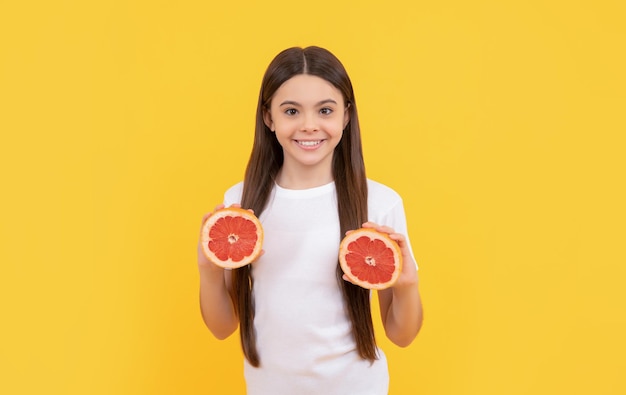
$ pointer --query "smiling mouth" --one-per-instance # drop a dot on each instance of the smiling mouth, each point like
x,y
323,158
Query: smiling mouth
x,y
309,143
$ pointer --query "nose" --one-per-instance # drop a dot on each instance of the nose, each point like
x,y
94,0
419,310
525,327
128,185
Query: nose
x,y
309,123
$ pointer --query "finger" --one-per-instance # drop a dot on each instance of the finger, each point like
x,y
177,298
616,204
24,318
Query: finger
x,y
398,237
205,217
385,229
380,228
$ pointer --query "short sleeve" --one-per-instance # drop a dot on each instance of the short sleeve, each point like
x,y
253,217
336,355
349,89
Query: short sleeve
x,y
233,194
386,208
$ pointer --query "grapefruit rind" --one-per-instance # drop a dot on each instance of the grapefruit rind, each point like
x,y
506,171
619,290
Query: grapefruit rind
x,y
356,247
228,257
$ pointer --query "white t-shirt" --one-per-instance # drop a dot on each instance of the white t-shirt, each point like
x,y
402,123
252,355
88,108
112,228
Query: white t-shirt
x,y
304,336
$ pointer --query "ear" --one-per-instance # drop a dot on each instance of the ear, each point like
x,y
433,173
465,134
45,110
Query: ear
x,y
267,119
346,116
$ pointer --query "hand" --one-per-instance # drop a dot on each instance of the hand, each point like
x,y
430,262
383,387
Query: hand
x,y
408,276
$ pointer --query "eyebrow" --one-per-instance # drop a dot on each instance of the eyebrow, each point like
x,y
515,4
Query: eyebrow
x,y
294,103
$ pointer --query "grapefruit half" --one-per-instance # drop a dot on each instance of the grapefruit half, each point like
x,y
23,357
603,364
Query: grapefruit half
x,y
370,259
232,237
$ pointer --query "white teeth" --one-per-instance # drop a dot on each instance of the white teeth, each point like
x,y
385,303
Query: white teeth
x,y
309,143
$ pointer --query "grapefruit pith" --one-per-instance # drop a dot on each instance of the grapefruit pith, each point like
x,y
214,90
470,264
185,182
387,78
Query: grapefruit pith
x,y
232,237
370,259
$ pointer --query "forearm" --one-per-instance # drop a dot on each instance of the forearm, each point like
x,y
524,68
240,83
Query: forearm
x,y
404,316
216,304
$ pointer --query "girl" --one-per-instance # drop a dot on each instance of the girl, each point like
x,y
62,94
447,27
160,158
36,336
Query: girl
x,y
305,329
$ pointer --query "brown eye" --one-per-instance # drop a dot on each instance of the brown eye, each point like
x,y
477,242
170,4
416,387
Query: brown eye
x,y
326,111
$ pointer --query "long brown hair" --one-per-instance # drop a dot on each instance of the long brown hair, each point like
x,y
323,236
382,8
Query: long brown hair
x,y
348,170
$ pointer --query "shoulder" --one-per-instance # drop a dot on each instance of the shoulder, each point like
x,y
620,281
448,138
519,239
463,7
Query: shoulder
x,y
384,205
378,192
233,194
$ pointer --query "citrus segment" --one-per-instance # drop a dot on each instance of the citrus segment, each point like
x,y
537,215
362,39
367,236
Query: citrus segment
x,y
232,237
370,259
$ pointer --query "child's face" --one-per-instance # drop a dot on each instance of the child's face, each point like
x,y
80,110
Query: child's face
x,y
308,115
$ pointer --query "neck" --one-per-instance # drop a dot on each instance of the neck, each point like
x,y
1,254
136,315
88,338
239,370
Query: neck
x,y
303,178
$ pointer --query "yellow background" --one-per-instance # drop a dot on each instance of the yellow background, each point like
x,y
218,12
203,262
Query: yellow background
x,y
501,123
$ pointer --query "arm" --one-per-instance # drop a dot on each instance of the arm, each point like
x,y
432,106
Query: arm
x,y
216,299
401,312
401,305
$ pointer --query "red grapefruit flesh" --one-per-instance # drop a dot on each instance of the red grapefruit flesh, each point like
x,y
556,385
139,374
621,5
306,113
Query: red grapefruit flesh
x,y
370,259
232,237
